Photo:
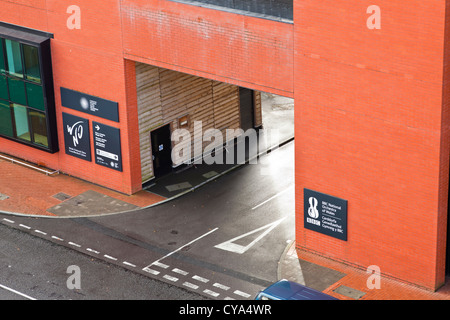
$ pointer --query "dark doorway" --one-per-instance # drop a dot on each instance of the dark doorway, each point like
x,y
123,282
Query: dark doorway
x,y
246,108
161,151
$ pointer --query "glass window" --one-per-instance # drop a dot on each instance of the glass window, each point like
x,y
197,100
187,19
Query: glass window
x,y
17,91
31,58
39,125
6,127
3,88
21,122
2,57
35,96
14,58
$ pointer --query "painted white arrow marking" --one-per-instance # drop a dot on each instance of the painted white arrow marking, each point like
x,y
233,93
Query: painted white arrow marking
x,y
237,248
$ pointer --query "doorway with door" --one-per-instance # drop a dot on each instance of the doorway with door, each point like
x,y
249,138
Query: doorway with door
x,y
161,150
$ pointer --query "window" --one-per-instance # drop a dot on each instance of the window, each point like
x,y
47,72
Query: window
x,y
27,112
14,58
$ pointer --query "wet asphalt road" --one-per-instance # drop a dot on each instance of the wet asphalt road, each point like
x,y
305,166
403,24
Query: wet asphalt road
x,y
222,241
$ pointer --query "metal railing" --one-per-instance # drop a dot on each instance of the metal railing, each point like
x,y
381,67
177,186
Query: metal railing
x,y
34,167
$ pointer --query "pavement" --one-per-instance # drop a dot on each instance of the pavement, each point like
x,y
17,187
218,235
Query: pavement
x,y
25,191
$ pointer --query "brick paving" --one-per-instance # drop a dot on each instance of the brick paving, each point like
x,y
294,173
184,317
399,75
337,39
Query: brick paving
x,y
27,191
356,279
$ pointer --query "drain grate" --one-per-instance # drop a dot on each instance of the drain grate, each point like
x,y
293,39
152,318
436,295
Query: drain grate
x,y
349,292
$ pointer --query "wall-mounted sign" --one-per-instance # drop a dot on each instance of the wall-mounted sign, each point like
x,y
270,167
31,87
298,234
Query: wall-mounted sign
x,y
107,146
76,136
89,104
325,214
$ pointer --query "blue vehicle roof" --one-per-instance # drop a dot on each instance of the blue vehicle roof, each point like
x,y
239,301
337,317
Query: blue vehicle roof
x,y
288,290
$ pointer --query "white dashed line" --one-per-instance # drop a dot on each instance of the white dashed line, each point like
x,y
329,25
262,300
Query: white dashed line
x,y
92,250
211,293
159,264
221,286
129,264
170,278
109,257
179,271
190,285
242,294
74,244
201,279
155,272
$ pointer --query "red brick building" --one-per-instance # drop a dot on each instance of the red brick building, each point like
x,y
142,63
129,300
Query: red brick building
x,y
371,104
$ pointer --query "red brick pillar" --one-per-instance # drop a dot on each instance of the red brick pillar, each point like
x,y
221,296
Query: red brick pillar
x,y
372,128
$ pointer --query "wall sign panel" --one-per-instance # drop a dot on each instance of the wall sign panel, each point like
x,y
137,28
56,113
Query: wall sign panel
x,y
86,103
107,146
325,214
76,136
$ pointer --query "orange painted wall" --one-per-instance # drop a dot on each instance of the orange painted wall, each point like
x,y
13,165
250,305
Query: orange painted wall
x,y
371,129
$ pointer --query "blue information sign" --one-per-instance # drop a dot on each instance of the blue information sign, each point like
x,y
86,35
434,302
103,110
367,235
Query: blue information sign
x,y
325,214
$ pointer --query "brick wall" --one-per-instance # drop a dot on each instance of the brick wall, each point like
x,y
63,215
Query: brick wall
x,y
241,50
370,129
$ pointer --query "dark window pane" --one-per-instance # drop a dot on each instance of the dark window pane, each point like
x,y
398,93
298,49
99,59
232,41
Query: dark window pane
x,y
39,125
14,58
6,127
31,57
3,88
2,58
21,122
17,91
35,96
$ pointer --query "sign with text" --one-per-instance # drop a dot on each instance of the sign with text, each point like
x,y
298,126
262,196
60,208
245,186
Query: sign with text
x,y
89,104
76,136
325,214
107,146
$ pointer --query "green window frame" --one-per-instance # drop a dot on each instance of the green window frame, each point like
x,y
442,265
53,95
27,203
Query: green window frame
x,y
27,111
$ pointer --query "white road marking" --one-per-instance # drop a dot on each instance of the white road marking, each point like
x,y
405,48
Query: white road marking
x,y
176,270
129,264
74,244
187,244
17,292
159,264
242,294
201,279
154,272
211,293
237,248
190,285
170,278
221,286
271,198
